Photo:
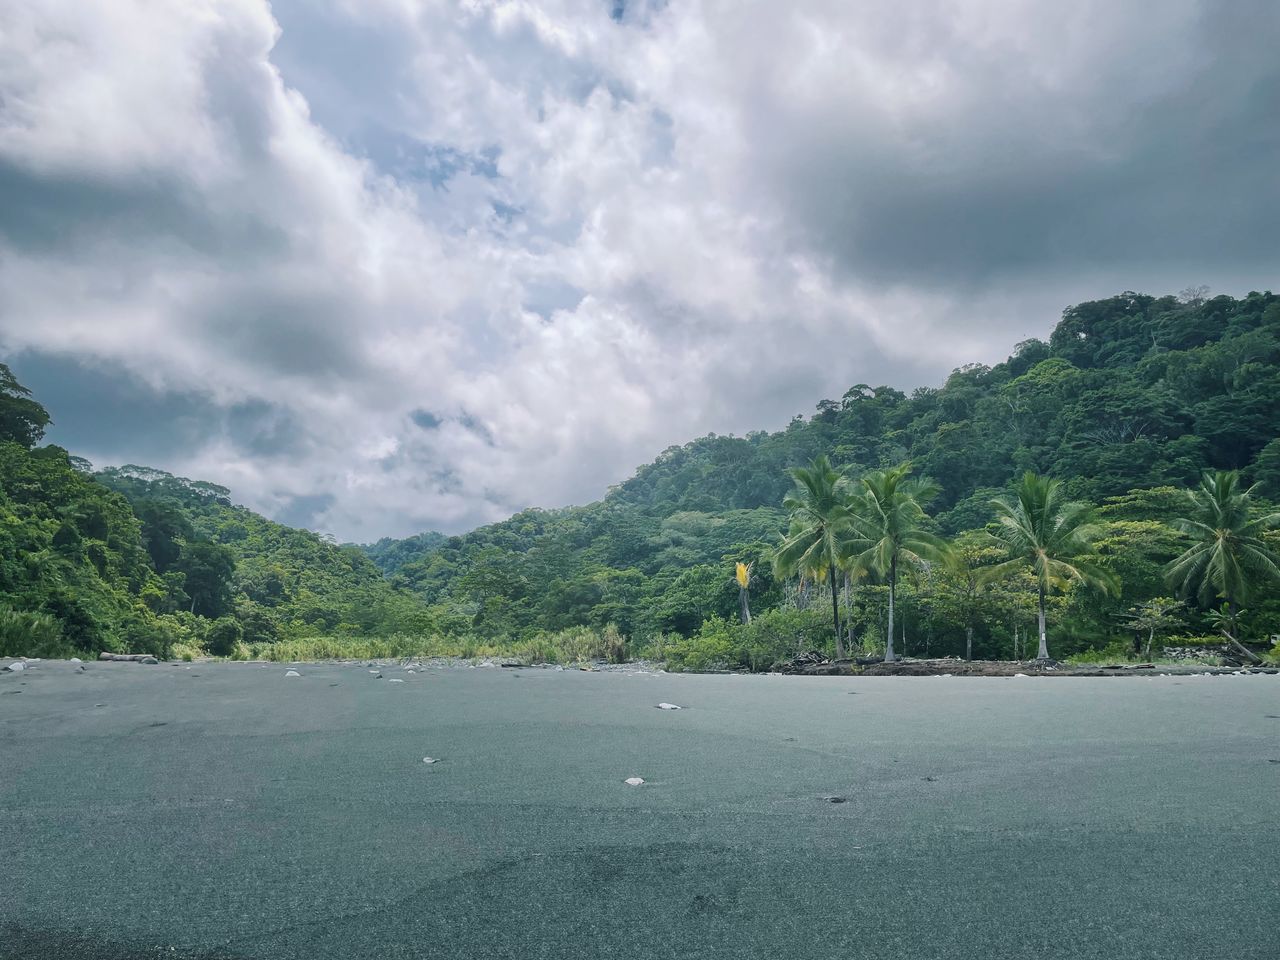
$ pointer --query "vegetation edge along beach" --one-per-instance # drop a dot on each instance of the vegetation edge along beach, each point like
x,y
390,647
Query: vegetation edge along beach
x,y
1103,497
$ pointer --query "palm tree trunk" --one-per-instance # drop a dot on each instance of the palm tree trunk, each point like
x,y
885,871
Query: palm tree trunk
x,y
1044,640
889,655
746,605
835,612
968,642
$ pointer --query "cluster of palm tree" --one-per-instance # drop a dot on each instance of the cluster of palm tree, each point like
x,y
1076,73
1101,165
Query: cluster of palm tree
x,y
876,527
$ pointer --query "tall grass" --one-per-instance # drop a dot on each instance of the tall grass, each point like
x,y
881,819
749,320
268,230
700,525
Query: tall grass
x,y
31,635
575,645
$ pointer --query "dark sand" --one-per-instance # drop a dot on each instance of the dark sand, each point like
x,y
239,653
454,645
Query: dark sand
x,y
225,810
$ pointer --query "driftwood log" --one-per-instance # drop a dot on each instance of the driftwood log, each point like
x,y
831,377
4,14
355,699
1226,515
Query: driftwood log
x,y
135,657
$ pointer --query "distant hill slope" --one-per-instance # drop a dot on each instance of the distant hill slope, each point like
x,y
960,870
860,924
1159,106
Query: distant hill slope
x,y
389,554
1129,392
136,559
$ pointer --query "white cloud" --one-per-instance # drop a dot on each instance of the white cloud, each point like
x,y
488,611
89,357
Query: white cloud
x,y
564,242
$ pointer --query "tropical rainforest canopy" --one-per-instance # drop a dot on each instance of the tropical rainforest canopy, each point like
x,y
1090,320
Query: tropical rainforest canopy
x,y
1127,405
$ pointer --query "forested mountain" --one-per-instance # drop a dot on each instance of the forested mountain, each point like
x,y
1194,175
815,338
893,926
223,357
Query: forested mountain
x,y
135,559
1127,403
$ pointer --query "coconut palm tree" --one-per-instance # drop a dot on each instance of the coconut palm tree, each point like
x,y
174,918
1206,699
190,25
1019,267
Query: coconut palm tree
x,y
742,576
887,530
819,509
1048,536
1229,559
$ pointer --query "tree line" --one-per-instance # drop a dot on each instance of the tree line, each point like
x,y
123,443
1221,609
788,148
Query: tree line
x,y
876,527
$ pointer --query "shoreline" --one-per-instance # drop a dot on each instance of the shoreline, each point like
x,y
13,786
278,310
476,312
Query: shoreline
x,y
939,668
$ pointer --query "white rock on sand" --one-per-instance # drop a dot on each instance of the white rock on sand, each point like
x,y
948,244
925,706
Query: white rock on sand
x,y
17,667
669,706
430,759
292,673
633,781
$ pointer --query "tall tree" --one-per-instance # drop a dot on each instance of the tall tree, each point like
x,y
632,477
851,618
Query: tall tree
x,y
1229,559
819,509
887,526
22,419
1051,538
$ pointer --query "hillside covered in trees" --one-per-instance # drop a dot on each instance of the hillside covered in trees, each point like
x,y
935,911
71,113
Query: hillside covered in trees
x,y
1127,404
133,559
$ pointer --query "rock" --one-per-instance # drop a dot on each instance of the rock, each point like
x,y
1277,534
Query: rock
x,y
17,667
431,759
835,799
1019,674
149,660
292,673
633,781
395,680
75,660
669,706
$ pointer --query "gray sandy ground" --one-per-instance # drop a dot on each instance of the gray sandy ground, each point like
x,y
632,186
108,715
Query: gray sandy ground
x,y
226,811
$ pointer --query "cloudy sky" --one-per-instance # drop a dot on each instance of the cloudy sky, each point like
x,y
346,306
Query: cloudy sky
x,y
389,265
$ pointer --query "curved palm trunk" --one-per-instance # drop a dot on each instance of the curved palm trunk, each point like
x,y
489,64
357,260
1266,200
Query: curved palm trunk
x,y
835,612
889,655
1044,640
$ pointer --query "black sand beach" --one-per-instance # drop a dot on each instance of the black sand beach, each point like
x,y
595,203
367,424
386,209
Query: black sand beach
x,y
228,811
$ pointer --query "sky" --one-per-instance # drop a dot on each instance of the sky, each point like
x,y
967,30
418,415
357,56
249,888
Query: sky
x,y
382,266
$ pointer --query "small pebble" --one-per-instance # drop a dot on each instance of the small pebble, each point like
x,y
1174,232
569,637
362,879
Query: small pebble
x,y
669,706
431,759
633,781
292,673
834,799
395,680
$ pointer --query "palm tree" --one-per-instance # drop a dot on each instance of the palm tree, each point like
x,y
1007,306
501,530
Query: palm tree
x,y
819,508
887,530
742,576
1051,538
1229,559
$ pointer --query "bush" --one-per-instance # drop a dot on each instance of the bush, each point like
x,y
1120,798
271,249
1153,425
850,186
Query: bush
x,y
223,637
1119,651
31,635
153,635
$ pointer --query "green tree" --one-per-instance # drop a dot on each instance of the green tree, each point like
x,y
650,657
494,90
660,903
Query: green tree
x,y
887,526
208,568
22,420
819,506
1229,559
1154,616
1053,538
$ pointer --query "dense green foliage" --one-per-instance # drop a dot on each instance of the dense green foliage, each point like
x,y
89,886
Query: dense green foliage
x,y
135,559
1129,401
1127,404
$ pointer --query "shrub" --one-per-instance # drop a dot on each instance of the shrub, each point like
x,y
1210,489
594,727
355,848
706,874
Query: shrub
x,y
31,635
223,637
